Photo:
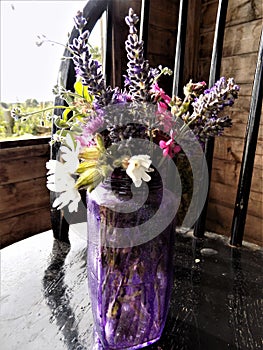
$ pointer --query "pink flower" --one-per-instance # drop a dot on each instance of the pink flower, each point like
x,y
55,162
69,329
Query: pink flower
x,y
162,107
159,93
166,98
85,141
164,117
155,88
194,88
170,148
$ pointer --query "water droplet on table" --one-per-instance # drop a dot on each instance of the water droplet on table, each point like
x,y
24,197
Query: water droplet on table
x,y
208,251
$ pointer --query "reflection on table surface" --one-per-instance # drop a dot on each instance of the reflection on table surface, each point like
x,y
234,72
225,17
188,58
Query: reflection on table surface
x,y
217,300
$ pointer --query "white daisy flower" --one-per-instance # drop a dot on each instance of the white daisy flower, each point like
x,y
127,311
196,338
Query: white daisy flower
x,y
60,176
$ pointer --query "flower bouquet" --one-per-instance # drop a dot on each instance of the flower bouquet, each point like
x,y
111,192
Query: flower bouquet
x,y
118,144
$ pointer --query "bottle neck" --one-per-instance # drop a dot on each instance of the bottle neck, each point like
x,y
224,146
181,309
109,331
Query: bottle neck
x,y
120,183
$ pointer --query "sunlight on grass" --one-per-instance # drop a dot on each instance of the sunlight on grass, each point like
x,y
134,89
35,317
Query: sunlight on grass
x,y
39,125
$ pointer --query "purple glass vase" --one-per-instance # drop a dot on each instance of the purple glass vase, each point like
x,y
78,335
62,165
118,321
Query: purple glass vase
x,y
129,266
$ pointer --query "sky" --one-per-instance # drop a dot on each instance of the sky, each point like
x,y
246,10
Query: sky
x,y
29,71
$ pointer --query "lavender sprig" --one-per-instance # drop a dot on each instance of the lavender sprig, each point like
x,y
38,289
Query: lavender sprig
x,y
80,21
222,94
140,76
88,69
205,120
213,127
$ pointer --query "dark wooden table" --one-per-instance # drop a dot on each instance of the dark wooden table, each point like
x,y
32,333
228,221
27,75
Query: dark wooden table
x,y
217,301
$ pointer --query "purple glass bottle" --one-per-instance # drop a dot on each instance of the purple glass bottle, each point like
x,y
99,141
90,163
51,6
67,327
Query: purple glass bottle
x,y
129,266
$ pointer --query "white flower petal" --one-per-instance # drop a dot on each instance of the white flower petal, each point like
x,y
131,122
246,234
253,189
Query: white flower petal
x,y
51,178
146,177
70,157
60,178
57,202
137,168
145,163
65,149
144,160
64,199
129,171
54,166
74,205
67,157
137,183
69,141
50,163
72,165
51,187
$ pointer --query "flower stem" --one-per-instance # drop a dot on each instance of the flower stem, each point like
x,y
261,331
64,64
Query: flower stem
x,y
46,109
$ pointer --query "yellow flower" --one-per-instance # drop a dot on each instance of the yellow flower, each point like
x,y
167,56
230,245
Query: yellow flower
x,y
89,179
90,153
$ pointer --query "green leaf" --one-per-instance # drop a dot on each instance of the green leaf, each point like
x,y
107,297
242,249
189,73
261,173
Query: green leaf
x,y
100,142
78,88
60,123
76,129
69,99
82,91
63,133
65,114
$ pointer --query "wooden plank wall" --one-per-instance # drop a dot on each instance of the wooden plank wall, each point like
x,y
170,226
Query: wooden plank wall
x,y
24,204
242,34
163,19
120,32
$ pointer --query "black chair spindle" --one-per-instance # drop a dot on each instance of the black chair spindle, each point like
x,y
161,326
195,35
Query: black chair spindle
x,y
199,228
246,171
180,47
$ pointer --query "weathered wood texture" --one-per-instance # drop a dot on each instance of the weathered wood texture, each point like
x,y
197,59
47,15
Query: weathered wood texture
x,y
242,34
24,205
163,20
119,30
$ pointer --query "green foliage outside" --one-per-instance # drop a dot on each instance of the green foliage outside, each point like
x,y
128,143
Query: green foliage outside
x,y
96,53
38,125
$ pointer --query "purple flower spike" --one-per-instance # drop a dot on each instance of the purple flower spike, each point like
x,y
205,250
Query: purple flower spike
x,y
208,105
90,70
140,75
80,21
